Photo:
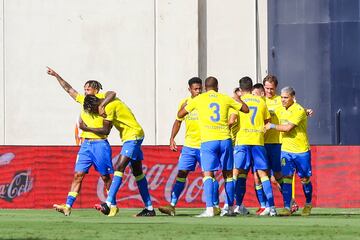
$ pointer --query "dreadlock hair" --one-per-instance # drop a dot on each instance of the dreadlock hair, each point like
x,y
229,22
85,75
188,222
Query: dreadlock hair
x,y
94,84
91,104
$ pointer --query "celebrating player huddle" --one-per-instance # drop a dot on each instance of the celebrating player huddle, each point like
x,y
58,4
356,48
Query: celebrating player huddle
x,y
269,138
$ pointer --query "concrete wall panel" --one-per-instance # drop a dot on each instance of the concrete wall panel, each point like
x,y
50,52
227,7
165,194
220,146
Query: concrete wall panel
x,y
176,61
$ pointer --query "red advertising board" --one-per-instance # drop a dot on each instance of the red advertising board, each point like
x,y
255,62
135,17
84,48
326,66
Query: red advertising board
x,y
39,176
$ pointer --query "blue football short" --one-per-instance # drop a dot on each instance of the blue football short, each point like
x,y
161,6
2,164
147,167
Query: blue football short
x,y
247,156
301,162
97,153
188,158
273,152
216,155
132,150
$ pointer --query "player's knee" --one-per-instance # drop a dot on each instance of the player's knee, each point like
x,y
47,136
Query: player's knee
x,y
79,176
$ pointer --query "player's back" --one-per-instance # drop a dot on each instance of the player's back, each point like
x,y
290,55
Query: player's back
x,y
123,120
252,124
213,110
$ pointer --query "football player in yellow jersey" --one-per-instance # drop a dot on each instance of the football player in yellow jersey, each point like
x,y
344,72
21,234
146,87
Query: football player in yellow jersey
x,y
216,147
295,149
132,136
190,153
249,150
95,150
264,209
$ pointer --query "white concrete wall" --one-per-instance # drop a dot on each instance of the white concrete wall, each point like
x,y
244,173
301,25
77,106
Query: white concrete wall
x,y
176,60
144,50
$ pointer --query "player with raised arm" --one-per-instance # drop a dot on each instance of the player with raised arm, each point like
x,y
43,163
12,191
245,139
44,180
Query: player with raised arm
x,y
216,147
249,150
190,153
132,136
95,150
295,149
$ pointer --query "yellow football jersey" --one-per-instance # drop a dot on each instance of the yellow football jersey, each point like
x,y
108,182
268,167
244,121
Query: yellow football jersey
x,y
251,130
91,120
295,141
235,126
192,132
273,104
213,108
123,120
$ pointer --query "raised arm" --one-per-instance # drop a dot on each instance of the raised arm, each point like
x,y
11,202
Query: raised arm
x,y
244,108
66,86
174,132
109,96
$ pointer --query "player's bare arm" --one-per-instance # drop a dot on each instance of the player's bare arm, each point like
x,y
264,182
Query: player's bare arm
x,y
182,112
175,129
105,130
282,128
65,85
109,96
244,108
232,120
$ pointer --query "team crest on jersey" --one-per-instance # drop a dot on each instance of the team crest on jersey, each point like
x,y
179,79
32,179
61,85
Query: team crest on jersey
x,y
283,161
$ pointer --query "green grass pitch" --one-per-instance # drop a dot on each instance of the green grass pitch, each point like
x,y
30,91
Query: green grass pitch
x,y
89,224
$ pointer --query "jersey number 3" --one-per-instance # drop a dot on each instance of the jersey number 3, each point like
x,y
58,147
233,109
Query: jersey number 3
x,y
215,107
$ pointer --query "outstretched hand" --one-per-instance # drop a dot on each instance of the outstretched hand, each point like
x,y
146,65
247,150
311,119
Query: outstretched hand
x,y
52,72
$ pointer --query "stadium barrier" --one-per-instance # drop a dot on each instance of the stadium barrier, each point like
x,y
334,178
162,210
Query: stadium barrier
x,y
38,176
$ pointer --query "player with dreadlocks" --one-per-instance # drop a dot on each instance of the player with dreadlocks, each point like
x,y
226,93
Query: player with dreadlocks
x,y
95,150
132,136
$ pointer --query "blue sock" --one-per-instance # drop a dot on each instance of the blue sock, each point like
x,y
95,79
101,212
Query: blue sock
x,y
229,191
71,198
177,190
114,188
268,190
216,192
143,189
240,188
208,190
307,188
260,195
287,192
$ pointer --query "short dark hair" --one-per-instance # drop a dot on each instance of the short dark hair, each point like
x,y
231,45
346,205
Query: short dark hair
x,y
246,84
271,79
91,104
194,80
259,86
94,84
211,82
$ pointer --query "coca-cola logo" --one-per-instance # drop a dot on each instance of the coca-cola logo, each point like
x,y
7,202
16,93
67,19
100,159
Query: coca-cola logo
x,y
158,180
21,183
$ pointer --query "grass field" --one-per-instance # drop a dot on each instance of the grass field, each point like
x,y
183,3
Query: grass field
x,y
88,224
